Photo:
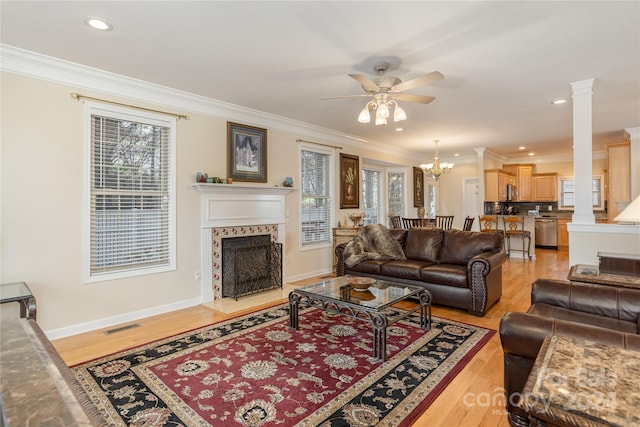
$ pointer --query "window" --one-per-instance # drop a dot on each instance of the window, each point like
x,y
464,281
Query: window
x,y
371,195
568,197
431,202
131,196
316,195
395,193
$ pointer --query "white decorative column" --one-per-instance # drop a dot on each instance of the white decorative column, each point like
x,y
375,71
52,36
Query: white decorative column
x,y
582,92
633,134
481,190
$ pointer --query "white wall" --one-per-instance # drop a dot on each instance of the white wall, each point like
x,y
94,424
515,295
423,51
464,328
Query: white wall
x,y
586,240
42,182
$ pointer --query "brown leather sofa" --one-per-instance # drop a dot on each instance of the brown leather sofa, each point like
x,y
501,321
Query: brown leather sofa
x,y
601,313
461,269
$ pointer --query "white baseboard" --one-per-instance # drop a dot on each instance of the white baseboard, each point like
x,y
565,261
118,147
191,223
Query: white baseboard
x,y
80,328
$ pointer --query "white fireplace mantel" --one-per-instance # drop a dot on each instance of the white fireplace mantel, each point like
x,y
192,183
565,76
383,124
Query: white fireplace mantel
x,y
236,205
226,205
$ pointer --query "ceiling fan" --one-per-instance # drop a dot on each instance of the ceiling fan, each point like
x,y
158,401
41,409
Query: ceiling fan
x,y
387,90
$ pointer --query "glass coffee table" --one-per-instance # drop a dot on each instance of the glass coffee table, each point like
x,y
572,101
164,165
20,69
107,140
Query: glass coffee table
x,y
337,295
19,292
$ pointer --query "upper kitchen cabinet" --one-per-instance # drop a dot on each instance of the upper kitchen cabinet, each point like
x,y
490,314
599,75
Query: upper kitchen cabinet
x,y
545,187
495,184
523,180
619,183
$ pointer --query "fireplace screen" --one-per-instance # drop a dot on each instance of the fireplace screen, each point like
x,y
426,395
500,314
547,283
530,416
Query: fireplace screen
x,y
250,264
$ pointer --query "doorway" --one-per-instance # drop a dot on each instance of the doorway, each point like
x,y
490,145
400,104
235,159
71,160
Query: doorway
x,y
470,194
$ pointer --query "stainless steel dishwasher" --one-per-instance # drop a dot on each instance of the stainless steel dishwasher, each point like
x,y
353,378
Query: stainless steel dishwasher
x,y
547,232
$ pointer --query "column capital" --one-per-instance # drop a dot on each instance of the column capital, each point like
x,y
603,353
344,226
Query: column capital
x,y
582,87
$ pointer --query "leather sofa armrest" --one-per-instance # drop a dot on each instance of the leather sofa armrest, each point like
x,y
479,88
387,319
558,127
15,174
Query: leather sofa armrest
x,y
522,334
339,251
493,259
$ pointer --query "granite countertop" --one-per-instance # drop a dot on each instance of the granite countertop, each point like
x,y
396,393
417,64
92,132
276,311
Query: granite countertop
x,y
34,391
576,382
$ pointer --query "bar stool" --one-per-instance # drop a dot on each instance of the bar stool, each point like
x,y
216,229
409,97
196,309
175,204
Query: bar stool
x,y
514,227
489,224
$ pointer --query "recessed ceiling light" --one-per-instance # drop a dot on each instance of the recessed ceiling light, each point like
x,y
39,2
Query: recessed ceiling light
x,y
559,101
456,155
532,154
98,24
522,147
399,129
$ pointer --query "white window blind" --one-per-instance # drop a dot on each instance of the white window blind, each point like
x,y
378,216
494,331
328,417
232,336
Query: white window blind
x,y
568,196
371,195
395,193
316,173
131,195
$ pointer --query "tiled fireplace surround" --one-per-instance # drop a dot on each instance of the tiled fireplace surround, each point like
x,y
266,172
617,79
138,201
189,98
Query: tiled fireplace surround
x,y
235,210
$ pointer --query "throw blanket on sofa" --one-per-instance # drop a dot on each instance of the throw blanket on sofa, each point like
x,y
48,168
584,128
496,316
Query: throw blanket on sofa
x,y
373,241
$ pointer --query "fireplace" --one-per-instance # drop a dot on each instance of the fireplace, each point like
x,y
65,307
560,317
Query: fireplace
x,y
250,264
237,210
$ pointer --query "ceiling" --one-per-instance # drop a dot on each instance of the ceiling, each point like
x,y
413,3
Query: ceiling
x,y
504,62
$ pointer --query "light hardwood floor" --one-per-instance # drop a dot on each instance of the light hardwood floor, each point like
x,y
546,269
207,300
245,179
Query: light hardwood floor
x,y
475,396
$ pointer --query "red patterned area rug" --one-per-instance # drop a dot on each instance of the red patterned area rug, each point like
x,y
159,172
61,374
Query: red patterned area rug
x,y
256,371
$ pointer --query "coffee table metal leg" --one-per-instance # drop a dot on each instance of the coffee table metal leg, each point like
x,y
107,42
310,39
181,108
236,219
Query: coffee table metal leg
x,y
293,310
425,310
379,322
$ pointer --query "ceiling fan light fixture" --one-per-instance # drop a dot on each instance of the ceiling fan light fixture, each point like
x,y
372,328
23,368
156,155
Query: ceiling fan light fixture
x,y
381,120
383,110
399,114
364,116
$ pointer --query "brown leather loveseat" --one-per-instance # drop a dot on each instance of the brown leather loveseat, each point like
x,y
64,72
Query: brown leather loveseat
x,y
605,314
461,269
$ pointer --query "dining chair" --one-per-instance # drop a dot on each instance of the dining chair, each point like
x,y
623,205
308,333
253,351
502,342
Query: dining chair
x,y
444,221
468,223
413,222
514,227
395,221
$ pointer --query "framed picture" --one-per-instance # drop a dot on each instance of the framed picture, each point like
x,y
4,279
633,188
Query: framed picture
x,y
246,153
418,187
349,181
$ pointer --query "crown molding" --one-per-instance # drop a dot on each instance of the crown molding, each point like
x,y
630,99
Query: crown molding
x,y
31,64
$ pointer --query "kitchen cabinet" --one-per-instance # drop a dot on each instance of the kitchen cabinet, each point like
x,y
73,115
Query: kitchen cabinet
x,y
495,184
545,187
563,233
523,180
619,176
342,235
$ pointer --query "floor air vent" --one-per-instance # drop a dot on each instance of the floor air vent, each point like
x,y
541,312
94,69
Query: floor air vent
x,y
122,328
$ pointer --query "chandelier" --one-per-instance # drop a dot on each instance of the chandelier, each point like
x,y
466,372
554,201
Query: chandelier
x,y
435,169
381,104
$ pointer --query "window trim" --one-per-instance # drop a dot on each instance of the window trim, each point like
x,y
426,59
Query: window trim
x,y
599,207
332,205
382,191
117,112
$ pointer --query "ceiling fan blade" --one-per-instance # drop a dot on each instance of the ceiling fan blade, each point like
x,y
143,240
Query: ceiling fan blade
x,y
421,99
346,96
365,82
419,81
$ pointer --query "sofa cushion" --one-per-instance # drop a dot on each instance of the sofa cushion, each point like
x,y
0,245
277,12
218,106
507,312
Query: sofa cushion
x,y
445,274
460,246
404,269
400,234
371,266
561,313
423,244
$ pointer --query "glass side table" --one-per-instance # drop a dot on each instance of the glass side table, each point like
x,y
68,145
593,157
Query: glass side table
x,y
20,292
